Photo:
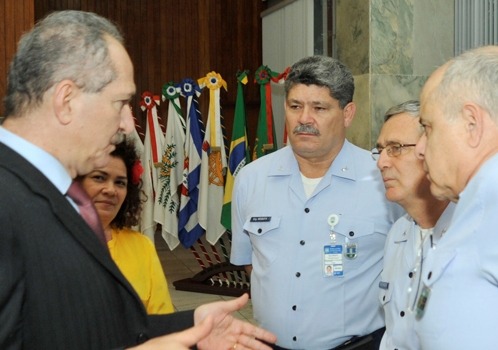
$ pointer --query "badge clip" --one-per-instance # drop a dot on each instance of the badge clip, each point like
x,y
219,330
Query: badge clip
x,y
332,220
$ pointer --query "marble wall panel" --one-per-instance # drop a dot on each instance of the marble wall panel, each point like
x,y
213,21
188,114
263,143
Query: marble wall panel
x,y
433,34
390,90
359,132
392,36
391,46
352,23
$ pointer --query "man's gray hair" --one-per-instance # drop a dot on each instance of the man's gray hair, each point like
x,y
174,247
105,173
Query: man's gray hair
x,y
64,45
326,72
471,76
412,107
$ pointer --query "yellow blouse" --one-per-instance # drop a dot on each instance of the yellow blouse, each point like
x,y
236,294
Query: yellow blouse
x,y
137,259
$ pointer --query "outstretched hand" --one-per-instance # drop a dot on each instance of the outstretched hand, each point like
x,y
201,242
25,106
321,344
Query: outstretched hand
x,y
229,332
215,329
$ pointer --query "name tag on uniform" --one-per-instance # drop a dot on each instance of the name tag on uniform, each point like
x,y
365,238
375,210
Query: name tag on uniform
x,y
261,219
383,285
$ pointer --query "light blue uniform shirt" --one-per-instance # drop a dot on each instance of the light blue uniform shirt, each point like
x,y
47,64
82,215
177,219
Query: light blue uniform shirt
x,y
462,272
398,275
47,164
282,233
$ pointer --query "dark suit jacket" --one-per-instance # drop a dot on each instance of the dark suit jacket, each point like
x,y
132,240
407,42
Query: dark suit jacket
x,y
59,288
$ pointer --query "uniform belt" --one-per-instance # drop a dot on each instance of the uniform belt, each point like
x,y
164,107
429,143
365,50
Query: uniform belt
x,y
366,342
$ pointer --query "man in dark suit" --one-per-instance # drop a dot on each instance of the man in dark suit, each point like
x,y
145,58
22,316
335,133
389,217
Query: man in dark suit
x,y
66,106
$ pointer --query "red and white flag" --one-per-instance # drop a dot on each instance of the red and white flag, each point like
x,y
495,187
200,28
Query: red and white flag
x,y
153,150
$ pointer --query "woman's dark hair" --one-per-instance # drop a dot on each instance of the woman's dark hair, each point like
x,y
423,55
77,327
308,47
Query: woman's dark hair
x,y
129,213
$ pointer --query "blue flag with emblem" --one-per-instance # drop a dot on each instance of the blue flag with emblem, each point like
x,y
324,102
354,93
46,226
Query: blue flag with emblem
x,y
189,229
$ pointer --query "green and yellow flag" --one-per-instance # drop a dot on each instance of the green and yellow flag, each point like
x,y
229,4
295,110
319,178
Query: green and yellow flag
x,y
239,150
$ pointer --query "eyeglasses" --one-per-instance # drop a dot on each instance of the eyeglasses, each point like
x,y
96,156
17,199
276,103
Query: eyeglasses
x,y
393,150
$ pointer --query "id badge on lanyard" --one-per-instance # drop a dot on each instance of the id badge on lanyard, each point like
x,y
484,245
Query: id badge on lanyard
x,y
333,265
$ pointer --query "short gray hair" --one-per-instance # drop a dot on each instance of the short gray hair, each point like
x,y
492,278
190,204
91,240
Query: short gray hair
x,y
64,45
471,76
323,71
412,107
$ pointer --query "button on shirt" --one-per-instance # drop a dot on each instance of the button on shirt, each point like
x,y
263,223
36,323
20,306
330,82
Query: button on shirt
x,y
462,273
291,295
400,258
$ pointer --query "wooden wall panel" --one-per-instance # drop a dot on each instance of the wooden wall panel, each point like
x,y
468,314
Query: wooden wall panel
x,y
169,40
16,16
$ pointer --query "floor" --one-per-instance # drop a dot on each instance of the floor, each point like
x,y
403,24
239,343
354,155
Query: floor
x,y
180,263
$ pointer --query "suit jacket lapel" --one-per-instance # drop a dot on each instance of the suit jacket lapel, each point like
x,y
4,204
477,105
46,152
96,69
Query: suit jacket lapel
x,y
62,209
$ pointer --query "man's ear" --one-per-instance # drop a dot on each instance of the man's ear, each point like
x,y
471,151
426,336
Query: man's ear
x,y
349,112
474,120
64,93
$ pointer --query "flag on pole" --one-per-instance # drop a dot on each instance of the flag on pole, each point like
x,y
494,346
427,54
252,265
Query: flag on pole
x,y
189,229
239,150
171,170
153,144
281,79
136,136
214,162
265,132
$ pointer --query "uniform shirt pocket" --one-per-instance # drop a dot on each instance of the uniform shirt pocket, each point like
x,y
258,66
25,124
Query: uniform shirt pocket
x,y
362,239
265,238
260,225
355,228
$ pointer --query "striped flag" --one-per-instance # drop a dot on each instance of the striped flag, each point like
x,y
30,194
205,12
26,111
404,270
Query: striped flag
x,y
153,149
171,170
239,150
265,132
189,229
214,162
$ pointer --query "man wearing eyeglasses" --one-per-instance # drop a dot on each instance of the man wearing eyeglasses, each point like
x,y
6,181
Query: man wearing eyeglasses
x,y
413,234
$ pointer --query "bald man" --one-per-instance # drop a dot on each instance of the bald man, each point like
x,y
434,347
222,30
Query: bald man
x,y
457,301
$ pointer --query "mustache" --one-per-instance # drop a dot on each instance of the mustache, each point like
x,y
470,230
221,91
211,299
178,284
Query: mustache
x,y
306,129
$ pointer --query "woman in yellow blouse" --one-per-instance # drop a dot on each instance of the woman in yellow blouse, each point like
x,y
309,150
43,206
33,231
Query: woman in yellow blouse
x,y
115,192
